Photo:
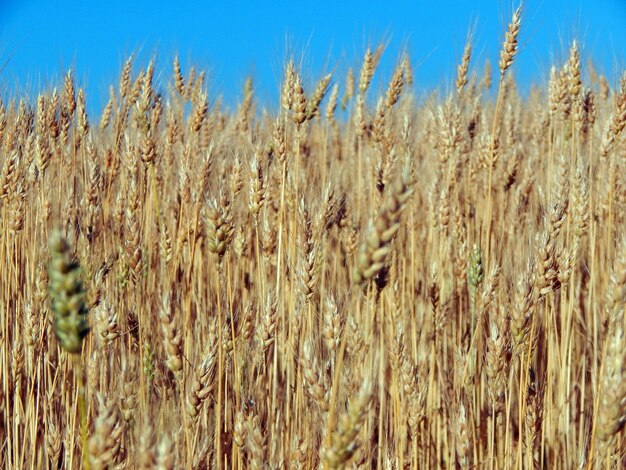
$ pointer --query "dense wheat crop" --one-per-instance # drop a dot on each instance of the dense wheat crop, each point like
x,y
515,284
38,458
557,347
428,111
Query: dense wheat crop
x,y
346,280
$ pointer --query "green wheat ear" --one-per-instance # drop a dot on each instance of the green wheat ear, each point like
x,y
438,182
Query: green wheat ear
x,y
475,272
67,296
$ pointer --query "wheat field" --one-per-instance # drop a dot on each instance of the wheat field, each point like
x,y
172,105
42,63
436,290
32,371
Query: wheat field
x,y
349,279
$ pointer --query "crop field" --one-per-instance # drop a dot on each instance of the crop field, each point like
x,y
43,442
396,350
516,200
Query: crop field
x,y
349,278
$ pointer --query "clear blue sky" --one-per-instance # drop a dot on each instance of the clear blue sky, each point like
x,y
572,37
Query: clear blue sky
x,y
41,39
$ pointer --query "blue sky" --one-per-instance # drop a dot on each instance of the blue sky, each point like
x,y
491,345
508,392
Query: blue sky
x,y
39,40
